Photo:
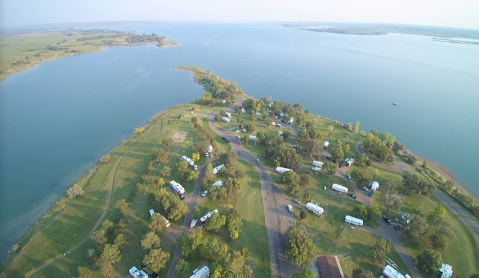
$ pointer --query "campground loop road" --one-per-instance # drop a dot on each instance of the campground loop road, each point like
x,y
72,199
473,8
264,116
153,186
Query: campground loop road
x,y
400,167
277,217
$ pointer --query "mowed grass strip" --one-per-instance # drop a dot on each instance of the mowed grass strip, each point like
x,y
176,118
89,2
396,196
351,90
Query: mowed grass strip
x,y
249,203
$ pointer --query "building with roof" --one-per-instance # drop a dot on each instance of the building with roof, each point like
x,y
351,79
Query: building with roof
x,y
329,267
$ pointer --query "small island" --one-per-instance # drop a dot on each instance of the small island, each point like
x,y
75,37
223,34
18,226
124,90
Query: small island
x,y
253,186
24,50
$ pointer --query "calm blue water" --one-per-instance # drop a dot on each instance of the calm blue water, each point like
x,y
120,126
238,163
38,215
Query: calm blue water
x,y
59,117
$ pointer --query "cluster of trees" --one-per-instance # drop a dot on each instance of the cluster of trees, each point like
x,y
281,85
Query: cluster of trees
x,y
109,240
337,149
429,261
227,264
277,153
105,159
162,153
362,177
230,187
233,221
202,146
294,181
362,160
299,246
215,88
173,207
416,184
185,173
153,38
434,226
371,213
139,130
379,250
378,146
390,196
74,191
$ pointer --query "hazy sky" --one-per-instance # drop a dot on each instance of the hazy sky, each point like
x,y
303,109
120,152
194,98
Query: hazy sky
x,y
452,13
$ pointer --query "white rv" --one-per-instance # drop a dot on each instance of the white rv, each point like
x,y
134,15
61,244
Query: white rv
x,y
218,168
339,188
201,273
315,208
225,119
291,121
282,170
325,145
136,273
374,185
318,164
353,220
177,187
187,159
390,272
252,138
218,183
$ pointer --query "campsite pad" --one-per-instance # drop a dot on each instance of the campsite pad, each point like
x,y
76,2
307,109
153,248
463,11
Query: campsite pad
x,y
179,135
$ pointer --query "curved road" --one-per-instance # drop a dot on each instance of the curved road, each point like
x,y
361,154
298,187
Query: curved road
x,y
277,217
400,166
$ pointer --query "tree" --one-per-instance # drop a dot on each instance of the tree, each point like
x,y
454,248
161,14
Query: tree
x,y
437,222
429,261
107,269
195,157
286,134
250,127
356,127
315,133
417,227
166,171
361,273
348,126
191,176
218,118
299,247
209,170
150,240
104,159
304,179
361,177
215,222
83,272
171,204
416,184
308,273
182,267
289,177
234,227
303,136
330,168
156,260
379,250
120,241
336,150
314,146
111,253
339,231
438,242
99,236
293,188
361,160
303,214
306,195
229,159
239,174
182,166
244,140
476,275
74,191
157,223
161,182
122,205
360,211
390,197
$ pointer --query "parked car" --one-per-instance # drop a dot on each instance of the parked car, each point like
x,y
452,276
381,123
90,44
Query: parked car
x,y
195,167
290,208
387,220
227,140
207,154
352,195
296,201
224,138
182,197
204,193
391,263
364,188
397,227
371,194
348,175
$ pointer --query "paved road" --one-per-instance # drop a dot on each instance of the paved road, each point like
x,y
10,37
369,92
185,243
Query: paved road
x,y
400,166
277,217
388,232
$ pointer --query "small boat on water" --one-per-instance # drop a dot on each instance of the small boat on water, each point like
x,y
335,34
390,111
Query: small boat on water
x,y
395,103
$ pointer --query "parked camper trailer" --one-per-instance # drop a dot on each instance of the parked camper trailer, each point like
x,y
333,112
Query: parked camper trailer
x,y
225,119
136,273
390,272
374,185
318,164
282,170
353,220
210,149
218,183
187,159
217,169
325,145
339,188
315,208
201,273
177,187
291,121
252,138
208,215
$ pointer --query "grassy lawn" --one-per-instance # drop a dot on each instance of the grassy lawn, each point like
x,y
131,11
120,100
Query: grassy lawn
x,y
253,233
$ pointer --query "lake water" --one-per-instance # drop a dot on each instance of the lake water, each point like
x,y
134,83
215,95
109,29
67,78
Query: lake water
x,y
59,117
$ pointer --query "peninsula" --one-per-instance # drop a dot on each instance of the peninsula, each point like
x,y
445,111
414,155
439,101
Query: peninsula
x,y
21,51
215,160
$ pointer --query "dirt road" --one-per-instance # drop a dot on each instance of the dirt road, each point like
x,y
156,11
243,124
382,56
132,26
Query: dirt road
x,y
277,217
